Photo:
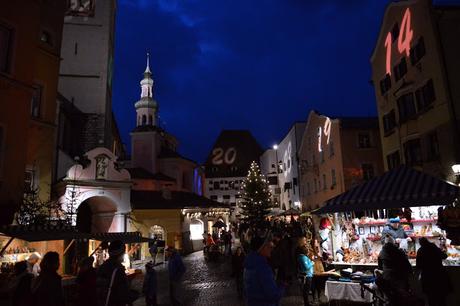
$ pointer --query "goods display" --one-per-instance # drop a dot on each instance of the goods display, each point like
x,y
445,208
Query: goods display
x,y
360,240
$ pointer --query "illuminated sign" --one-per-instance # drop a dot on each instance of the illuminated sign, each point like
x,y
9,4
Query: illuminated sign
x,y
405,37
326,131
219,157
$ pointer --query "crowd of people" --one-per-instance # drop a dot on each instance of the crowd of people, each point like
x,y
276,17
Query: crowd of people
x,y
280,258
39,284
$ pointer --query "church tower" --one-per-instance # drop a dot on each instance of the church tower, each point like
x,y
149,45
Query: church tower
x,y
146,107
146,136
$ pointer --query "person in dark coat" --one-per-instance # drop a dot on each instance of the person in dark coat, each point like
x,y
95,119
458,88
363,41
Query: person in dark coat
x,y
149,287
396,272
176,270
259,283
47,287
237,270
86,283
394,229
284,259
112,283
20,285
435,281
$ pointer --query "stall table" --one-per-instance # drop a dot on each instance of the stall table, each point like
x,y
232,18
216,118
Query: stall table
x,y
346,291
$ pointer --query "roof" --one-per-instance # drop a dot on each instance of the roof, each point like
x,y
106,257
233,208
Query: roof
x,y
359,122
141,199
246,150
141,173
125,237
169,153
42,233
400,187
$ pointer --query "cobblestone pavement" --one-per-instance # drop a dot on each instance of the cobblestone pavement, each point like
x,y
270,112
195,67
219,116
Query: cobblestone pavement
x,y
205,283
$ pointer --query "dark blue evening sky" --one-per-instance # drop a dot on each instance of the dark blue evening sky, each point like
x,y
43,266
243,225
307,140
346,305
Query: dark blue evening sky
x,y
244,64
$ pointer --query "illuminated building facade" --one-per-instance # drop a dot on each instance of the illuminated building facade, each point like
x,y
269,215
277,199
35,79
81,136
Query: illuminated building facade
x,y
86,70
288,167
268,167
415,71
228,164
336,154
30,40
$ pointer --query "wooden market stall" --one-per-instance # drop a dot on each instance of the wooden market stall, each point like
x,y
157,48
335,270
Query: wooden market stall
x,y
360,214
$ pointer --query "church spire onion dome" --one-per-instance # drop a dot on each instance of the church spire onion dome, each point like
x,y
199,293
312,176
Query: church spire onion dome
x,y
146,107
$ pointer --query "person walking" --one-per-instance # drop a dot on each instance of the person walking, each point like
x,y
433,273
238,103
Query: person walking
x,y
46,288
306,266
259,283
19,286
435,280
227,238
112,283
176,270
86,283
238,269
149,288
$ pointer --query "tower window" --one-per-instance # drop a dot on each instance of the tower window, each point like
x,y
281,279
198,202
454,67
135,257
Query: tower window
x,y
144,119
150,120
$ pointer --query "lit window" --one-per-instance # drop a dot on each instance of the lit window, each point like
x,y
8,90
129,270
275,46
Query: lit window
x,y
196,229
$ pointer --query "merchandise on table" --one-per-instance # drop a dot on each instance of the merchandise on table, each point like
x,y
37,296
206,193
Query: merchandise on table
x,y
359,241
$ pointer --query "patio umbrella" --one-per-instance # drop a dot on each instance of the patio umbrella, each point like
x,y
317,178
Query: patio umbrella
x,y
219,224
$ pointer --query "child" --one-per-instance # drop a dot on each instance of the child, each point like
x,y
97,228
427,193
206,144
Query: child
x,y
150,285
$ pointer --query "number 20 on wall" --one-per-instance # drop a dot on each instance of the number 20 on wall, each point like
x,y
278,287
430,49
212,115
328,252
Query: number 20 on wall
x,y
404,40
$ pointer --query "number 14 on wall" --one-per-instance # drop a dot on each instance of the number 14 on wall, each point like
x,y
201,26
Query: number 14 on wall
x,y
404,40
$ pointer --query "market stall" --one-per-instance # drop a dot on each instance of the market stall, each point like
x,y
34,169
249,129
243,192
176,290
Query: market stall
x,y
403,200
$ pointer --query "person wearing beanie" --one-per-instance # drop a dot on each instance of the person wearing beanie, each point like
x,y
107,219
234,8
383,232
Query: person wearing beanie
x,y
260,287
395,230
112,283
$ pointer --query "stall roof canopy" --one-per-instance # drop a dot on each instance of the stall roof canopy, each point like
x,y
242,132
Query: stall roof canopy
x,y
146,199
42,233
400,187
125,237
47,233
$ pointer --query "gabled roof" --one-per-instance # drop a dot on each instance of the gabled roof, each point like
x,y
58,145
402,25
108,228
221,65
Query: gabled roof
x,y
246,150
178,199
141,173
400,187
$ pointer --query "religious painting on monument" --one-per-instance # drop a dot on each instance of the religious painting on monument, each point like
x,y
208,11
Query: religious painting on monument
x,y
102,162
82,8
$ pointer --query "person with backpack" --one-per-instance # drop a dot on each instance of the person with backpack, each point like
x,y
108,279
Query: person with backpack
x,y
112,282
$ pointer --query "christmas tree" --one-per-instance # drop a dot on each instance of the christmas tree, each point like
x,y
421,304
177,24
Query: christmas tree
x,y
256,203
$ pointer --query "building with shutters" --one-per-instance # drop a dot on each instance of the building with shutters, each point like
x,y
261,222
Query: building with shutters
x,y
415,72
228,164
335,155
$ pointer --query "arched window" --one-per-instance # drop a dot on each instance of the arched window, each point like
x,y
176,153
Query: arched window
x,y
150,120
144,119
196,229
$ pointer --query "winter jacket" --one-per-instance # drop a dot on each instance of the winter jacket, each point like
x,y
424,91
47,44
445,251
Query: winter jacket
x,y
120,294
284,259
434,276
395,233
306,265
149,287
176,268
47,290
86,282
394,263
20,289
259,284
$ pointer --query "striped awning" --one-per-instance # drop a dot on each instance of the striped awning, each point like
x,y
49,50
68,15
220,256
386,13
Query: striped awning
x,y
400,187
42,233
